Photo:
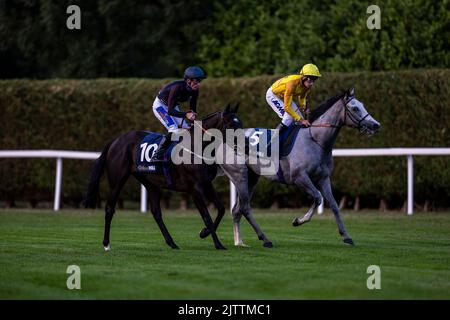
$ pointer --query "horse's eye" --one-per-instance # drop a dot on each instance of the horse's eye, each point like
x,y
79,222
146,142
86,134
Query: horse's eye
x,y
355,109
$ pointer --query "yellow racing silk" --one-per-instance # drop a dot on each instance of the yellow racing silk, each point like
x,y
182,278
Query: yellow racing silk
x,y
288,87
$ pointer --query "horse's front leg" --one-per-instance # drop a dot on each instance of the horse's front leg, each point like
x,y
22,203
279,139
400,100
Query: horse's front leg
x,y
238,175
304,181
199,200
236,214
325,187
211,195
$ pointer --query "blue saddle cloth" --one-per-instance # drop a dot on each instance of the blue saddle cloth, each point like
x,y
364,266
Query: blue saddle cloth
x,y
145,150
286,142
287,139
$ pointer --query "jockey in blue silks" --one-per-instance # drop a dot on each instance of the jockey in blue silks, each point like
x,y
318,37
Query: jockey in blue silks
x,y
167,109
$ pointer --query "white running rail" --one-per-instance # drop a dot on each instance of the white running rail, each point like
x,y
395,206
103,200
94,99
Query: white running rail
x,y
61,154
408,152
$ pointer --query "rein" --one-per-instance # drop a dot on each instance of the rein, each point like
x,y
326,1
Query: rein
x,y
205,131
347,113
324,125
201,127
321,125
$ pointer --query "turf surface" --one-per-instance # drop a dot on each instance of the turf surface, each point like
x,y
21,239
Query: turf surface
x,y
307,262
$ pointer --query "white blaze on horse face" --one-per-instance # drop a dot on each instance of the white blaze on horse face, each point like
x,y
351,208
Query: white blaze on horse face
x,y
357,110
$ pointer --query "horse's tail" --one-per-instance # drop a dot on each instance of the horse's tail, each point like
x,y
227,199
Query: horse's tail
x,y
93,189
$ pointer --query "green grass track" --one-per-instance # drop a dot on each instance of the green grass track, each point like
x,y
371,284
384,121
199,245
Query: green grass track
x,y
307,262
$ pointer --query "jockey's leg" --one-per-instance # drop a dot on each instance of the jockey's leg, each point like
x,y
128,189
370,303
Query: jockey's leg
x,y
163,145
170,123
161,113
287,118
275,103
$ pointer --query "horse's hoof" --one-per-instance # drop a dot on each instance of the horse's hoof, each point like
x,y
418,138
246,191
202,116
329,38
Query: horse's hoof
x,y
241,244
295,222
349,242
221,247
268,244
173,246
107,248
204,233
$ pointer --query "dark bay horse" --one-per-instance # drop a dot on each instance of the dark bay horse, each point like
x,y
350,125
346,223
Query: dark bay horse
x,y
118,158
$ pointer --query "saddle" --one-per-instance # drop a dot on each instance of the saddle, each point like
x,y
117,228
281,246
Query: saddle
x,y
286,141
144,153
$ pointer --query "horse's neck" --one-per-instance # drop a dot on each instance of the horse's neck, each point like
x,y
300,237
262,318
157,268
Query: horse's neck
x,y
326,136
202,131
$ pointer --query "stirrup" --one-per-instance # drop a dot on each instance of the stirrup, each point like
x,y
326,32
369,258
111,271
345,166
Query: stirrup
x,y
158,156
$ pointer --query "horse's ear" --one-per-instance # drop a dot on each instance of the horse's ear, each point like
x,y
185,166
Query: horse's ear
x,y
351,92
236,107
227,109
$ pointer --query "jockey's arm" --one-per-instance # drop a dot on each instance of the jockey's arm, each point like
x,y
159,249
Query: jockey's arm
x,y
288,94
193,101
302,101
171,104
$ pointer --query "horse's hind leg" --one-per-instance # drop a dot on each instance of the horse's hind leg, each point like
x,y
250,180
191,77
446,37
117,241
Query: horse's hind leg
x,y
325,187
155,207
245,193
116,183
306,183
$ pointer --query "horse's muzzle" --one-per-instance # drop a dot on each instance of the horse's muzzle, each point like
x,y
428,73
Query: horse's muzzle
x,y
371,128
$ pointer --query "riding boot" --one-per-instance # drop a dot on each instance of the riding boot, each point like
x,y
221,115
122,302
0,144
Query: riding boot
x,y
281,127
159,153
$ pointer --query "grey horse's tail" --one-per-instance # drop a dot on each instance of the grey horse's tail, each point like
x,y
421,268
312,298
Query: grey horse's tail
x,y
93,189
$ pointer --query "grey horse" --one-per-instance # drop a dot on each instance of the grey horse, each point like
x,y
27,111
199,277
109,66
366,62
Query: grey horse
x,y
308,165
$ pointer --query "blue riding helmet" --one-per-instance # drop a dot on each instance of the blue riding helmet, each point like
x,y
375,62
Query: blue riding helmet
x,y
194,73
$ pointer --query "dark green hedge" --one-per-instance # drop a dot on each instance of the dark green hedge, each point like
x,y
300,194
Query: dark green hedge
x,y
412,107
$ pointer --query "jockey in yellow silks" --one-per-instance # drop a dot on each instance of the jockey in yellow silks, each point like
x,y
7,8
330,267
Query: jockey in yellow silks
x,y
281,94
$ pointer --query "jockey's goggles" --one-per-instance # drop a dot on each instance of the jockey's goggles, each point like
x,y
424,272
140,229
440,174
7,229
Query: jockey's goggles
x,y
311,78
198,80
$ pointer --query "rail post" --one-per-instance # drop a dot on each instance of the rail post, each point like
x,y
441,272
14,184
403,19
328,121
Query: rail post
x,y
143,199
58,179
410,184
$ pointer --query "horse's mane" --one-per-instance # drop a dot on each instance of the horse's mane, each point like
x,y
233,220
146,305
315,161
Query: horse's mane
x,y
324,106
210,115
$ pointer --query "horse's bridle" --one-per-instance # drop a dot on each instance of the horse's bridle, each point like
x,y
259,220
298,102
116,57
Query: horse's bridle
x,y
352,117
347,113
201,127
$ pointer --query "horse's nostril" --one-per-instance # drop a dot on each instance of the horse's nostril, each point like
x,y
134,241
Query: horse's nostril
x,y
376,126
